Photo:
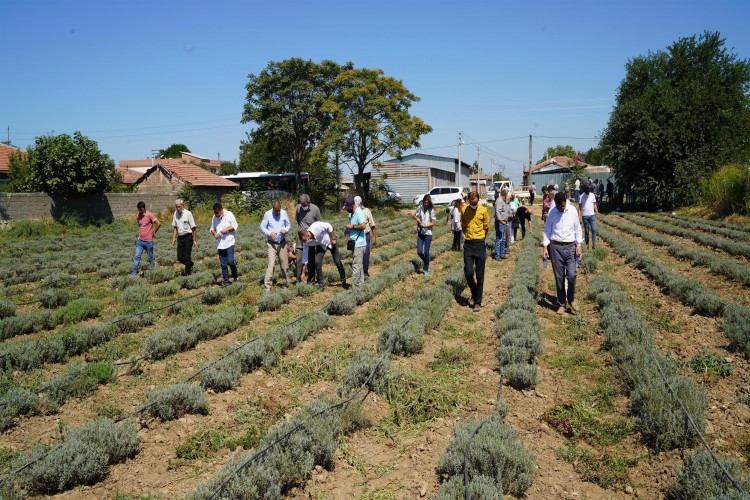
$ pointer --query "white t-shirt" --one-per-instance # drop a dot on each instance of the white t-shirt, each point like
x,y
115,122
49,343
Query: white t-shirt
x,y
225,222
588,201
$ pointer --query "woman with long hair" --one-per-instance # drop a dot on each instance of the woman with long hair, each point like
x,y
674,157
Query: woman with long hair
x,y
425,217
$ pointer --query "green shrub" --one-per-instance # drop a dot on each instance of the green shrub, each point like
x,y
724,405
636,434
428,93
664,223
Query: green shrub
x,y
30,322
78,310
196,280
496,453
78,380
53,297
480,488
158,274
222,375
82,457
710,362
402,336
17,402
122,282
725,191
520,375
366,367
7,308
701,479
173,401
167,289
134,322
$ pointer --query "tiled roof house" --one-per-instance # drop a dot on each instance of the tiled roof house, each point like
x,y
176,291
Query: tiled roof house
x,y
169,175
5,154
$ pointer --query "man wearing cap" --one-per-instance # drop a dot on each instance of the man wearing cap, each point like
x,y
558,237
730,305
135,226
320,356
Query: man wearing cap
x,y
561,244
306,213
475,222
316,239
356,231
274,226
370,235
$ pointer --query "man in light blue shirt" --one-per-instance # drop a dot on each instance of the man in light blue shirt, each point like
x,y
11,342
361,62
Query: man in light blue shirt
x,y
356,230
275,225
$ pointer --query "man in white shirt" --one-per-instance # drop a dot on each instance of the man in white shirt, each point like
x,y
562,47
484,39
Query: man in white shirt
x,y
316,239
589,213
274,226
184,235
561,244
223,227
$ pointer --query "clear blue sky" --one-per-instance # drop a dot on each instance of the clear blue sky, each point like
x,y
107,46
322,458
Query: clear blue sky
x,y
140,75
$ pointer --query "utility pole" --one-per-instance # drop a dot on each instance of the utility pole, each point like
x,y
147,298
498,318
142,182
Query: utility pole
x,y
458,174
8,143
530,160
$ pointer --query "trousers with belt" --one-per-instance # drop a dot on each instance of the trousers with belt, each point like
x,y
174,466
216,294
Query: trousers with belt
x,y
563,258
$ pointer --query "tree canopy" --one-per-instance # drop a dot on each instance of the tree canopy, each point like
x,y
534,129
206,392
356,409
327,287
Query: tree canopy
x,y
61,165
371,118
173,151
285,101
680,113
559,150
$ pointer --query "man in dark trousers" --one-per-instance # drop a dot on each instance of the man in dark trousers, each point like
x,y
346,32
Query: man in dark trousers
x,y
475,222
561,244
305,214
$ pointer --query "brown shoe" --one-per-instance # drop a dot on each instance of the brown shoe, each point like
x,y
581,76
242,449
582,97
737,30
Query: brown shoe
x,y
573,307
477,308
561,310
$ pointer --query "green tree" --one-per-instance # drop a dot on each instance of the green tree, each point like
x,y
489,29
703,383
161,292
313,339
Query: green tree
x,y
594,156
285,101
20,179
229,168
259,154
559,150
679,115
372,118
62,165
173,151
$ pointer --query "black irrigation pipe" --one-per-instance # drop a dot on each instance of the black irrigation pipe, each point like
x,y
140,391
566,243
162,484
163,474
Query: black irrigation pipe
x,y
259,454
731,478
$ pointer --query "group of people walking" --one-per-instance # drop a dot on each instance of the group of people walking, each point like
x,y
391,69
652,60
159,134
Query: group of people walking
x,y
469,222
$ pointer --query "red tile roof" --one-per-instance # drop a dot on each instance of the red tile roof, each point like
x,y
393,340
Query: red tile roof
x,y
195,175
129,176
562,161
5,152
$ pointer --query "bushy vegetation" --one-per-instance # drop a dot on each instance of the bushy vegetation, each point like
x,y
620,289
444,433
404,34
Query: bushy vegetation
x,y
83,456
173,401
701,479
255,476
718,265
725,192
735,319
7,308
170,340
659,415
517,328
496,456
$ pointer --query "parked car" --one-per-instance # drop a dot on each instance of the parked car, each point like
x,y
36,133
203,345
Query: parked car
x,y
444,195
383,193
499,185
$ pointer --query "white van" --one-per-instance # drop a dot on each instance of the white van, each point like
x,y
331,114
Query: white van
x,y
444,195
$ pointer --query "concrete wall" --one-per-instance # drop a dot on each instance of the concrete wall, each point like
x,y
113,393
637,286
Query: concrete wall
x,y
17,206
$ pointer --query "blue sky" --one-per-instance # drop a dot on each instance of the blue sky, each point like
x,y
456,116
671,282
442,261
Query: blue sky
x,y
140,75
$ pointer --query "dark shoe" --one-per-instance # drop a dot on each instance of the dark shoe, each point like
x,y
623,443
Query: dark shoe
x,y
345,286
235,280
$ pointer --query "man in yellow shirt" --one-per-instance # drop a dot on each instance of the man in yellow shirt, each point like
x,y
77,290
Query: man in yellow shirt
x,y
475,222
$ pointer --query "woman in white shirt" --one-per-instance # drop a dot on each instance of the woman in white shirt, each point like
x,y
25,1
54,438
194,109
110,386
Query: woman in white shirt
x,y
589,213
425,217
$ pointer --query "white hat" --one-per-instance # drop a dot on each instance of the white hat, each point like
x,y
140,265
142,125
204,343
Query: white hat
x,y
357,200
